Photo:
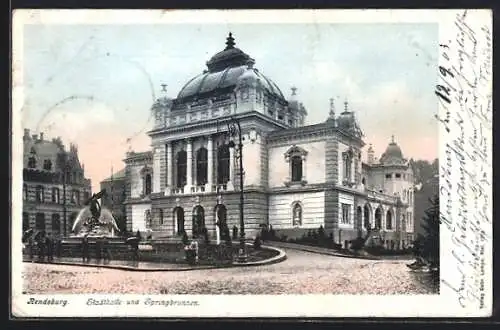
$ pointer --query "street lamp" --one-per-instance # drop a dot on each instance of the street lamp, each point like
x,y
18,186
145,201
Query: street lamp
x,y
234,132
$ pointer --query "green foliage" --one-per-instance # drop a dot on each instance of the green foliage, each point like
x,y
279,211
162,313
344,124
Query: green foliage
x,y
428,242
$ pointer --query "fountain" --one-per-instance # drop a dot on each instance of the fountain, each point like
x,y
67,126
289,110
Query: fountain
x,y
94,221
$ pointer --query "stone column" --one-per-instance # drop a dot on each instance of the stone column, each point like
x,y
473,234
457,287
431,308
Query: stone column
x,y
156,170
304,167
189,170
169,166
210,166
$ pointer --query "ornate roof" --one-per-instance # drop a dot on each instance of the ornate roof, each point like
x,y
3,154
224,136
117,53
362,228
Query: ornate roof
x,y
392,154
224,70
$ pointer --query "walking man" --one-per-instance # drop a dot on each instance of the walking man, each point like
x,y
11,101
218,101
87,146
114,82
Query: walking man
x,y
49,243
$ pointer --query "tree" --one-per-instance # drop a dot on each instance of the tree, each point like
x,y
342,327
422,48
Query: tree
x,y
429,240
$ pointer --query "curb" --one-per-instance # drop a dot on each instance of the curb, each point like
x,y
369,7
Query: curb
x,y
333,254
279,258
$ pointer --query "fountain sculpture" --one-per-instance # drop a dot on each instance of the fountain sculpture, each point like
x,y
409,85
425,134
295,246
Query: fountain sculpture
x,y
93,220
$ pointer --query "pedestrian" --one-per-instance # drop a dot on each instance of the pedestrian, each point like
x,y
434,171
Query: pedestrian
x,y
31,247
85,248
41,247
49,245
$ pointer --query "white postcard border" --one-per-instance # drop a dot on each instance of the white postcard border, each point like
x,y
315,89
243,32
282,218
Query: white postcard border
x,y
447,303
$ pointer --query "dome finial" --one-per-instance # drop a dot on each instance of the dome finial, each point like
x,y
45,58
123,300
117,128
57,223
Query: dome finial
x,y
294,90
345,105
164,88
230,42
392,138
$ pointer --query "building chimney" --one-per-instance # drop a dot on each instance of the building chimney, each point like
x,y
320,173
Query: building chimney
x,y
26,132
41,136
35,137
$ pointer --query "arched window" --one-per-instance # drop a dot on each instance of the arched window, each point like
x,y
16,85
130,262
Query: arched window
x,y
160,216
378,218
201,166
86,196
147,184
55,195
25,192
347,159
405,195
198,220
26,221
223,157
296,168
367,217
297,214
181,160
40,222
179,220
56,224
47,165
403,223
296,157
388,220
39,194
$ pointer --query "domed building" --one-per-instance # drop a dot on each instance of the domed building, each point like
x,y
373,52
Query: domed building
x,y
296,177
54,185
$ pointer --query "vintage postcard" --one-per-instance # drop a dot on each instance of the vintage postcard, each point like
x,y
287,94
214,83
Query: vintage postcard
x,y
255,163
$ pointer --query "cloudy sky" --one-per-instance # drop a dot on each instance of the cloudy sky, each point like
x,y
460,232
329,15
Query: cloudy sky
x,y
93,85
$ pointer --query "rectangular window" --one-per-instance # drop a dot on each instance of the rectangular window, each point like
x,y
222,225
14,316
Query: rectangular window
x,y
398,175
346,213
388,175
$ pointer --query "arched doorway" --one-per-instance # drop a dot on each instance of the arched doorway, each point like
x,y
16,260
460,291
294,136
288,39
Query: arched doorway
x,y
367,217
198,220
388,220
178,220
221,228
378,218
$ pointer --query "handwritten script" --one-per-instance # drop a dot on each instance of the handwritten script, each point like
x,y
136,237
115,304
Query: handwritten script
x,y
465,96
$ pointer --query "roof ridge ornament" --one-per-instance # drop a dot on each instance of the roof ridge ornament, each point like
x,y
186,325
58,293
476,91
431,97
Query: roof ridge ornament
x,y
332,108
230,42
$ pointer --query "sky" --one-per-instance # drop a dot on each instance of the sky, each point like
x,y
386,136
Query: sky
x,y
93,85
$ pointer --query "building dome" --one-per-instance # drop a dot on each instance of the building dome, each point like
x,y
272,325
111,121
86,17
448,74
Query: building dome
x,y
392,154
224,70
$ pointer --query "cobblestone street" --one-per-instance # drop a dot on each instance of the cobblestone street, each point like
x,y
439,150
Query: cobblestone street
x,y
301,273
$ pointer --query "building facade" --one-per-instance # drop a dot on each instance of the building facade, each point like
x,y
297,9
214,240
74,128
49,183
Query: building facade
x,y
116,193
295,177
54,185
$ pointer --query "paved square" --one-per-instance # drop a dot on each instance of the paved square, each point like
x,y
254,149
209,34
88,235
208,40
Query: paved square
x,y
301,273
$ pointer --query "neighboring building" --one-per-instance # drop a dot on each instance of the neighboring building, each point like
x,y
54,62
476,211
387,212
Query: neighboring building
x,y
54,185
114,199
296,177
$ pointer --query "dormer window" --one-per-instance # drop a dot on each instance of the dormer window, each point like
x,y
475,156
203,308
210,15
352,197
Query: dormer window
x,y
296,157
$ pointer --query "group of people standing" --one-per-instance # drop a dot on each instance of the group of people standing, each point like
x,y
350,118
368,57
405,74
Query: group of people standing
x,y
44,245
